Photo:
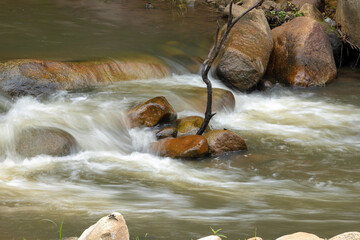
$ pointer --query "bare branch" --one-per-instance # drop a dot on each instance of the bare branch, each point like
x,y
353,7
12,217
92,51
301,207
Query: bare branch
x,y
214,52
230,14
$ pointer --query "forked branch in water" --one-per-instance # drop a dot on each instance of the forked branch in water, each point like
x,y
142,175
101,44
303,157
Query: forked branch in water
x,y
214,52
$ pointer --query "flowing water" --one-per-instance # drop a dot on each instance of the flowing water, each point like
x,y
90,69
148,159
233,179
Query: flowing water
x,y
301,172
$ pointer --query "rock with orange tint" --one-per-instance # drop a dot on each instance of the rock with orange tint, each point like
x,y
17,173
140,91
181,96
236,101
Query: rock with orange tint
x,y
244,58
193,146
35,77
190,125
302,54
152,112
222,141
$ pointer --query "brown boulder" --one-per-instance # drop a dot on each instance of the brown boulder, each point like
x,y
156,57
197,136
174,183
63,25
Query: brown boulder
x,y
151,112
348,17
193,146
319,4
34,77
309,10
244,58
190,125
31,142
347,236
166,132
302,54
222,141
110,227
300,236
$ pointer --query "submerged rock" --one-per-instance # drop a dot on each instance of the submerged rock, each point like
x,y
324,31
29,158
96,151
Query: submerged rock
x,y
300,236
193,146
35,77
302,54
190,125
347,236
31,142
152,112
243,60
348,17
110,227
222,141
166,132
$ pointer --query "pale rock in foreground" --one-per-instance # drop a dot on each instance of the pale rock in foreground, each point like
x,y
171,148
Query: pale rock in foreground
x,y
255,238
347,236
211,237
111,227
300,236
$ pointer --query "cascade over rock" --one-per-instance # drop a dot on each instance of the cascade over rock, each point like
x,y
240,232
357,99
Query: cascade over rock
x,y
31,142
302,54
244,58
35,77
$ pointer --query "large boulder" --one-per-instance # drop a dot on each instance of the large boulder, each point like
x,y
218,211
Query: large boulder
x,y
300,236
190,125
302,54
244,58
31,142
319,4
222,141
193,146
347,236
109,227
348,17
35,77
152,112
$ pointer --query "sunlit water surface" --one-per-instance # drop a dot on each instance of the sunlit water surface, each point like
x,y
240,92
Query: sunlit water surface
x,y
301,172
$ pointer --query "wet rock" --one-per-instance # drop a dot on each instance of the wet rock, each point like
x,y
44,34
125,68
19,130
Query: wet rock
x,y
319,4
154,111
190,125
193,146
35,77
347,236
243,60
300,236
265,85
348,17
211,237
334,38
166,132
302,54
110,227
31,142
222,141
309,10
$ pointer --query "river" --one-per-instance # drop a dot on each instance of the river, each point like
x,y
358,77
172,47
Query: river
x,y
301,172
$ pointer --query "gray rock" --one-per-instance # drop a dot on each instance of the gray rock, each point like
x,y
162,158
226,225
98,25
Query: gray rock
x,y
348,17
31,142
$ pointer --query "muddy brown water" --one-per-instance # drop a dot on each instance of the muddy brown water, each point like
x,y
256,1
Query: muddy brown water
x,y
301,172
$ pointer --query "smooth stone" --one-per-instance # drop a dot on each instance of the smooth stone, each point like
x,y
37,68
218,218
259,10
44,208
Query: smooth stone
x,y
154,111
193,146
211,237
222,141
31,142
109,227
347,236
166,132
190,125
300,236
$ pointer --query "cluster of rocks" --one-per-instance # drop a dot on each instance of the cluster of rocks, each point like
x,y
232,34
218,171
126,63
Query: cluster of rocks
x,y
114,226
300,52
177,137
